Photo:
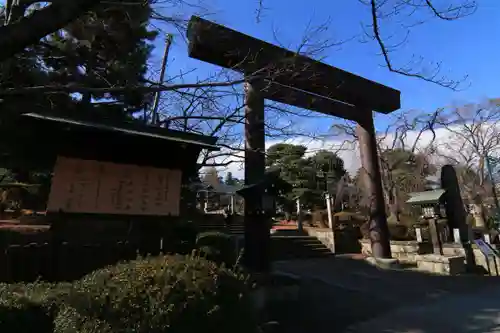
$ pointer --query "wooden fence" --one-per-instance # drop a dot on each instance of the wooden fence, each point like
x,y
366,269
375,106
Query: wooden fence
x,y
69,261
77,247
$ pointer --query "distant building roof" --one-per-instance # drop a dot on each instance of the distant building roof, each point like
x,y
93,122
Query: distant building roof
x,y
425,197
220,188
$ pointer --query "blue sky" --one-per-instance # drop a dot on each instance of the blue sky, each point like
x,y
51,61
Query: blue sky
x,y
469,46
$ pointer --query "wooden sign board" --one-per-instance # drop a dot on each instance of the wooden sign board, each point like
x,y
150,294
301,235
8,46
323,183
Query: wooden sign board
x,y
86,186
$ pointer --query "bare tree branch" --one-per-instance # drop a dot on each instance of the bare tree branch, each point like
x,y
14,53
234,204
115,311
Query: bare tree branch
x,y
409,70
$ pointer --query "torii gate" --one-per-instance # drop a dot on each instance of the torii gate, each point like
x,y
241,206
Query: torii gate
x,y
284,76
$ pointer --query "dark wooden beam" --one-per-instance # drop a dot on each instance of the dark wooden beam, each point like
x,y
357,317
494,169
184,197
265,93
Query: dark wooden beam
x,y
304,100
228,48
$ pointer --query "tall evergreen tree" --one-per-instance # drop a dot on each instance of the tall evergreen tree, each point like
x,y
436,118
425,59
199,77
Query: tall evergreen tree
x,y
105,48
229,179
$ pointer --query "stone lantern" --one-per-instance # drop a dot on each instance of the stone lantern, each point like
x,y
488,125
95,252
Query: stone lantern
x,y
262,196
430,204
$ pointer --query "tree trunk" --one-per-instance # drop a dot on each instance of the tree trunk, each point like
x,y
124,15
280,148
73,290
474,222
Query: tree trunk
x,y
393,206
16,36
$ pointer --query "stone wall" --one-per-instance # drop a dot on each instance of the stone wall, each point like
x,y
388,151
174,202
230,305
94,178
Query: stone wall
x,y
492,265
325,236
403,250
343,241
408,251
438,264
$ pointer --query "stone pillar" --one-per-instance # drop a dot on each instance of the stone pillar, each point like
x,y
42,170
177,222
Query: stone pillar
x,y
456,214
329,210
257,237
378,229
437,246
299,215
232,203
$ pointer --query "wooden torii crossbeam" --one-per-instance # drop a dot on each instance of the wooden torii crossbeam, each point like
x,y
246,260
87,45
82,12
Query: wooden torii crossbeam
x,y
284,76
291,78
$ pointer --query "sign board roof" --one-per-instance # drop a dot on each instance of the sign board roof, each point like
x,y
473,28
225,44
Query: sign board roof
x,y
132,129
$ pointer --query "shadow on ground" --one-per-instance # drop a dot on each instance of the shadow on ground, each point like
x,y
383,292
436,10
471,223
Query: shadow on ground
x,y
472,313
339,292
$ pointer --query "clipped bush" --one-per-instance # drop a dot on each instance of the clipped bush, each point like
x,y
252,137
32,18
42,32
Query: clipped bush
x,y
185,233
162,294
27,308
397,232
320,217
217,246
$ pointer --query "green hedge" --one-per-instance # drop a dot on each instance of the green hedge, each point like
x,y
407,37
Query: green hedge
x,y
217,246
397,232
24,307
148,295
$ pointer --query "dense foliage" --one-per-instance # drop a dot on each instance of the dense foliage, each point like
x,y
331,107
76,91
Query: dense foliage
x,y
173,293
309,176
105,48
217,246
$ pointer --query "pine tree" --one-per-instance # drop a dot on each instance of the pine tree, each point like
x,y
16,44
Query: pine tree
x,y
107,47
229,179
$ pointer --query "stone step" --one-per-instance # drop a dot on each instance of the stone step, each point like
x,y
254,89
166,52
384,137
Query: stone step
x,y
300,250
297,247
220,228
283,247
297,241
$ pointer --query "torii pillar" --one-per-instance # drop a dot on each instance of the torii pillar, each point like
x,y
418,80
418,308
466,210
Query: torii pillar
x,y
257,238
372,181
305,83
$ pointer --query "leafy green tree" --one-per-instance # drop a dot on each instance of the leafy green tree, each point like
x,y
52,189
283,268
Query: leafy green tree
x,y
293,168
107,47
230,180
329,167
307,176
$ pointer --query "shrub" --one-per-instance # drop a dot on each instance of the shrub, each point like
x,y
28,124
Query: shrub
x,y
217,246
27,308
172,293
23,315
181,237
397,232
320,217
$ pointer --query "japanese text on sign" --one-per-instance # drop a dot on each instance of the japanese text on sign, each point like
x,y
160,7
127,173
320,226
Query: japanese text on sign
x,y
86,186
